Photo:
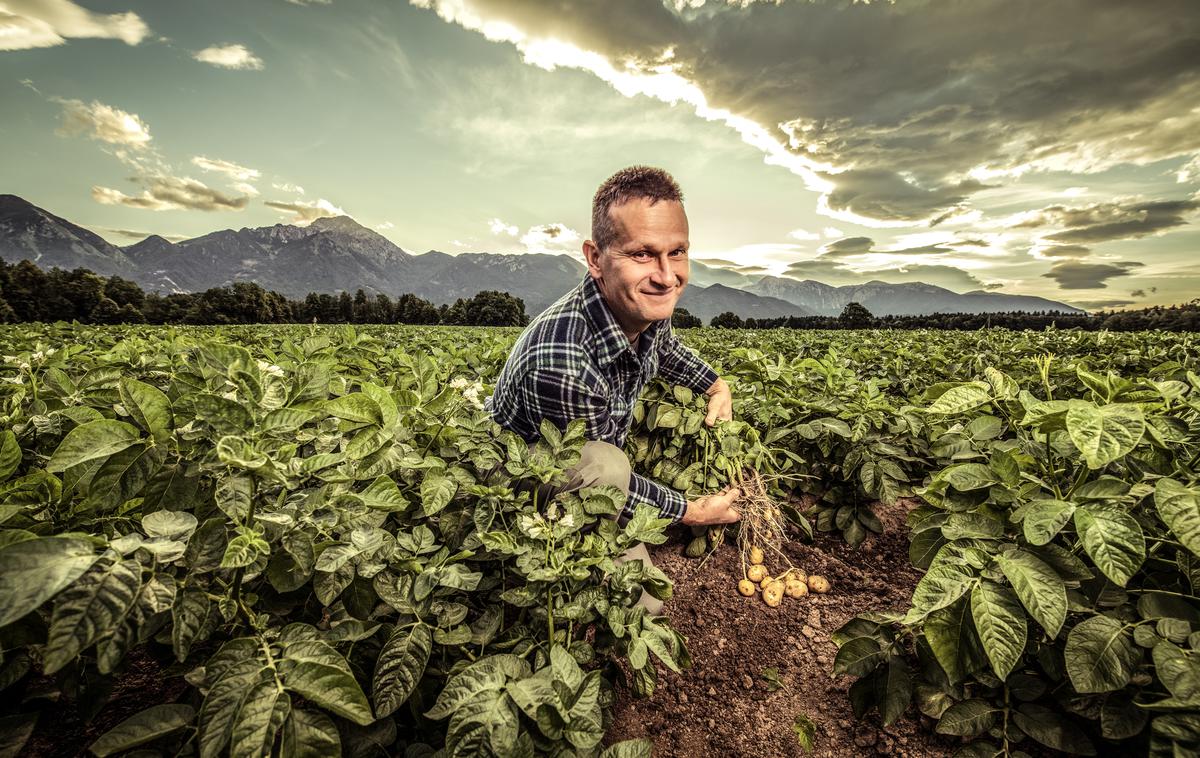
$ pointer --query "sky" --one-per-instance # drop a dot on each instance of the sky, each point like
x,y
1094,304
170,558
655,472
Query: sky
x,y
1020,146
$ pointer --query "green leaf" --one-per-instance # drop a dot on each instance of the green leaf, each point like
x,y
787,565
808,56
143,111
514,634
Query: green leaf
x,y
1179,508
140,728
1100,655
1112,538
10,454
640,748
1040,589
244,549
941,586
33,571
484,674
858,657
237,452
896,694
399,668
260,718
1045,518
355,407
954,641
437,490
1000,622
95,439
1104,433
383,495
148,406
308,734
314,669
1052,729
91,608
961,398
191,615
1120,717
968,718
1178,673
172,525
968,476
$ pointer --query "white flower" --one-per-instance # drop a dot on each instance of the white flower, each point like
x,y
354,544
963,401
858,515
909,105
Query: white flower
x,y
567,521
38,355
51,351
23,365
459,383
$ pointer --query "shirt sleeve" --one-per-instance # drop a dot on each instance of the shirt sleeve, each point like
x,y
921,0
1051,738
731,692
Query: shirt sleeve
x,y
561,398
680,365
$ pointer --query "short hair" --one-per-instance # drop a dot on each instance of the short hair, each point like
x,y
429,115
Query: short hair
x,y
627,184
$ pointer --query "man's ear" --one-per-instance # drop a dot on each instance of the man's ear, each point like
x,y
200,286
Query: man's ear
x,y
591,254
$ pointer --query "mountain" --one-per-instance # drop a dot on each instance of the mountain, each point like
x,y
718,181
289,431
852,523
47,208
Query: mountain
x,y
907,299
337,253
27,231
715,299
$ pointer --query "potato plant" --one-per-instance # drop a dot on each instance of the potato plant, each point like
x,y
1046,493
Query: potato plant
x,y
337,548
1061,542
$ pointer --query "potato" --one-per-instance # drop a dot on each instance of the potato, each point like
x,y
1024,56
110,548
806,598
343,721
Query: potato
x,y
773,595
818,584
779,585
795,588
797,574
746,587
697,547
756,573
756,556
766,582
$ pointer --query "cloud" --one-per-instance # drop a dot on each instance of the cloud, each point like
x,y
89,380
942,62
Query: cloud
x,y
550,238
1102,222
26,24
1075,275
1100,304
839,273
165,193
306,212
1138,293
385,226
848,246
803,235
230,169
139,235
229,56
289,187
1001,93
1062,251
501,229
102,122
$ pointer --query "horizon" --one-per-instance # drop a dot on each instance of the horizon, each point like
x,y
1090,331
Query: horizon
x,y
998,156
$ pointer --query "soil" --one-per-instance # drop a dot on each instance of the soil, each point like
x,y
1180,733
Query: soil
x,y
723,706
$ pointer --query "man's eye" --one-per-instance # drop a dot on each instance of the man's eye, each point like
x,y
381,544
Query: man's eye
x,y
642,255
680,253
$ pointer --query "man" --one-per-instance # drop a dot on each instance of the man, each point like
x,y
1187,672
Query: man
x,y
590,354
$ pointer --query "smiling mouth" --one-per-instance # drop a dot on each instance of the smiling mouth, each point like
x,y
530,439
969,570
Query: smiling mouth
x,y
659,294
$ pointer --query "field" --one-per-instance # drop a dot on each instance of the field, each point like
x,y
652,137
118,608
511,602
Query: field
x,y
312,541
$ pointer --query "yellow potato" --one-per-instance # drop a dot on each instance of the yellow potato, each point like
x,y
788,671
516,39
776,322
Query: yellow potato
x,y
756,556
818,584
766,582
772,596
795,588
746,587
797,574
756,573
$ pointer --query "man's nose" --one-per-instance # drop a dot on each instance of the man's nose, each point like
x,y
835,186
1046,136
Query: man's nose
x,y
664,275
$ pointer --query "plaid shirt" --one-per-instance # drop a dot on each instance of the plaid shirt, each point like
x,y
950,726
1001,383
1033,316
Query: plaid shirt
x,y
573,361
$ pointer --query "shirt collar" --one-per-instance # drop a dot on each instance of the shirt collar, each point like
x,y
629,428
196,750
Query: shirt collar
x,y
610,338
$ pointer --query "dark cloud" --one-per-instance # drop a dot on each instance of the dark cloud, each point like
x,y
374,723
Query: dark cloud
x,y
1138,293
849,246
881,194
901,101
1102,222
1099,304
1075,275
163,193
835,273
134,234
1065,251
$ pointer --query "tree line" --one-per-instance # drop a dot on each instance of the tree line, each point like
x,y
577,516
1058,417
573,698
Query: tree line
x,y
27,293
1170,318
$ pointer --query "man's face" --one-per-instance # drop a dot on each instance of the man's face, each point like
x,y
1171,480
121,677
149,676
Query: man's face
x,y
643,274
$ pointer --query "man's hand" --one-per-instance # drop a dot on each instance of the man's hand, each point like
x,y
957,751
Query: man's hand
x,y
713,509
720,402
